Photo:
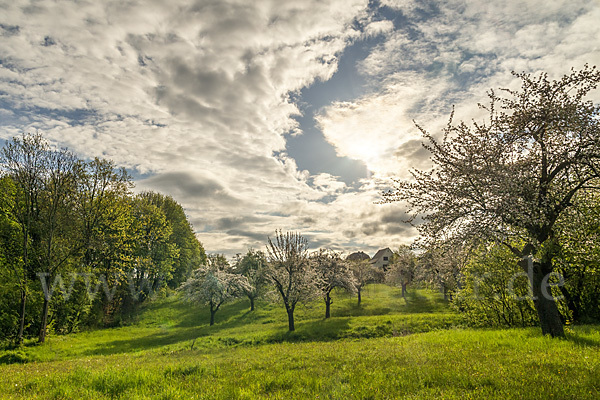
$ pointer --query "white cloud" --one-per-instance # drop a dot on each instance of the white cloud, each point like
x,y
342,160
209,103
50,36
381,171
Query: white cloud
x,y
452,57
199,96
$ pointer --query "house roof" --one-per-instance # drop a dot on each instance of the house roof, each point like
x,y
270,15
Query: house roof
x,y
379,254
358,256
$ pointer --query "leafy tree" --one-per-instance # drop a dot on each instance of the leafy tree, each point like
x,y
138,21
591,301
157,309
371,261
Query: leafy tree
x,y
105,222
191,252
253,266
214,285
402,269
495,290
578,231
509,180
23,159
290,271
363,274
332,272
154,253
11,267
57,242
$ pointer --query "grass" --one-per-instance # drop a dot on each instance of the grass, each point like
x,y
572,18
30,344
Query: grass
x,y
388,348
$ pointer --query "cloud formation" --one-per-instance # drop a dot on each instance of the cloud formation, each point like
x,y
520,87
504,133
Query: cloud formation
x,y
199,98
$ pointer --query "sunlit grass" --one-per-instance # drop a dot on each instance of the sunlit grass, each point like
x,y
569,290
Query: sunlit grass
x,y
372,352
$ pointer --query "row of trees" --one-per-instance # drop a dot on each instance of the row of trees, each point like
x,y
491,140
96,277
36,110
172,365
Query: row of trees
x,y
286,272
69,228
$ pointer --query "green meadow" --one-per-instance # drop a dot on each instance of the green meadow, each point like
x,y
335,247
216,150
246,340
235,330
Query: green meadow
x,y
388,348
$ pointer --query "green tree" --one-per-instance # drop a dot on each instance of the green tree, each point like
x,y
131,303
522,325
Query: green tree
x,y
57,224
578,232
154,253
509,180
11,267
24,159
191,252
495,290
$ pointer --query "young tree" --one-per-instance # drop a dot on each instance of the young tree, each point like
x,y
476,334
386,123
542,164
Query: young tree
x,y
510,179
290,271
402,269
214,285
363,274
332,272
253,265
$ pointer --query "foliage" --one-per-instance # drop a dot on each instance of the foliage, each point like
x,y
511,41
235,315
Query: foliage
x,y
495,290
509,180
579,260
77,249
191,254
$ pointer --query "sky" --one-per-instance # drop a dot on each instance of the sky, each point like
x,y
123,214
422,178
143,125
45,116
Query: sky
x,y
272,114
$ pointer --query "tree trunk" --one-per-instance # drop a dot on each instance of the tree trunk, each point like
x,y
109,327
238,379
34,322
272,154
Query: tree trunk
x,y
22,316
43,328
359,297
251,303
545,305
290,313
212,315
404,290
327,306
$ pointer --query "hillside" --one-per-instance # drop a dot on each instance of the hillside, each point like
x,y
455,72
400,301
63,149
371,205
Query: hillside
x,y
387,348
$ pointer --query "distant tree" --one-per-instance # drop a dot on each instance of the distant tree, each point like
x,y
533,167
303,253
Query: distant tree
x,y
401,271
290,271
214,285
253,265
510,179
154,252
191,252
363,274
332,272
441,268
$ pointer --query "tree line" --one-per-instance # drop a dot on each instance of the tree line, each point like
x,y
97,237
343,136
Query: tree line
x,y
77,246
286,272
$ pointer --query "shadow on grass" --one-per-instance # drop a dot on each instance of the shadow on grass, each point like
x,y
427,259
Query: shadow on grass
x,y
579,338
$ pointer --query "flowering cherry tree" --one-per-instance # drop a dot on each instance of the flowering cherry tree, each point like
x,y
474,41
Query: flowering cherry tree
x,y
510,179
214,285
333,272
